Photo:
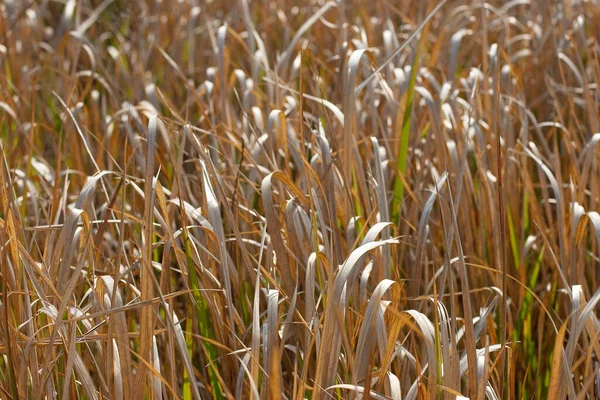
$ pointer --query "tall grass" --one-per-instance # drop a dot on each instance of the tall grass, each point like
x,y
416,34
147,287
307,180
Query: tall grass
x,y
264,199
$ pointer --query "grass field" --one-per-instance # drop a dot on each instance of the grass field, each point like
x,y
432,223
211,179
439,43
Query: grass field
x,y
264,199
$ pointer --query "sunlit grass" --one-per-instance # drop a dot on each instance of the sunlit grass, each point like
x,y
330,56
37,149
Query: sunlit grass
x,y
264,199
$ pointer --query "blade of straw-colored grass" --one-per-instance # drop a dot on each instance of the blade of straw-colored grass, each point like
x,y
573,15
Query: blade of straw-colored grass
x,y
480,352
192,23
288,330
319,208
455,42
575,327
311,283
349,141
555,390
384,215
66,18
280,139
483,369
272,362
427,332
157,375
222,83
255,350
117,370
395,388
564,58
365,343
364,281
254,390
374,231
143,380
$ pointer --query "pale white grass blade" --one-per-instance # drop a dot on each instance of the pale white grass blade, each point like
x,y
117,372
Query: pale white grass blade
x,y
365,344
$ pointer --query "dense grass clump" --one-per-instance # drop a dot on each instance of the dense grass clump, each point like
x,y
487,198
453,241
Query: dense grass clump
x,y
248,199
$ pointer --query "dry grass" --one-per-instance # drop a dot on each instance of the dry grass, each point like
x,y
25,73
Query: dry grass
x,y
258,199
